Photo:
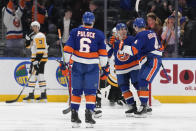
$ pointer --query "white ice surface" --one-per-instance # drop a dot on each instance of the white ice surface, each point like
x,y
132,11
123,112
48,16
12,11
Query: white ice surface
x,y
49,117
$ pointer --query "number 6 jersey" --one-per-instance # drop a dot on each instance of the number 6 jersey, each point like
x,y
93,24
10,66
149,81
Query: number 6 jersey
x,y
86,45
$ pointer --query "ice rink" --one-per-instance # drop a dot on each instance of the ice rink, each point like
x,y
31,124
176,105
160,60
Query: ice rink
x,y
49,117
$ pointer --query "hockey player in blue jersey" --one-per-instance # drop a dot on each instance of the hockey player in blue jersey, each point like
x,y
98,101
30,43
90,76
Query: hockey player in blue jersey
x,y
126,66
148,48
86,47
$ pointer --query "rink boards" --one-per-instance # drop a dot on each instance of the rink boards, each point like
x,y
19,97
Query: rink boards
x,y
180,89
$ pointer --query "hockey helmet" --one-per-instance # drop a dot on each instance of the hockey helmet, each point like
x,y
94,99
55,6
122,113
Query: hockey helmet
x,y
139,22
88,18
121,26
35,23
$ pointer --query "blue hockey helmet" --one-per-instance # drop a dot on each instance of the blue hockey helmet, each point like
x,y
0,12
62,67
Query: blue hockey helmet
x,y
88,18
139,22
121,26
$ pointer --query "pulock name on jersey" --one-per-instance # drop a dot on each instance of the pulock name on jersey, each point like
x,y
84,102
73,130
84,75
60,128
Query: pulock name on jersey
x,y
86,34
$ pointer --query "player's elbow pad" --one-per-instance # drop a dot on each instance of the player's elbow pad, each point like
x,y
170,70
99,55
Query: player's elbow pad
x,y
103,60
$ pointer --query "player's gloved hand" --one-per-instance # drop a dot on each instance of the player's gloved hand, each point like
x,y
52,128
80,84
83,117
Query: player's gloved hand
x,y
28,39
105,71
112,40
36,65
64,68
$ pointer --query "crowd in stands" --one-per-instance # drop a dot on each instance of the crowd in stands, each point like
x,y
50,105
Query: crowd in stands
x,y
67,14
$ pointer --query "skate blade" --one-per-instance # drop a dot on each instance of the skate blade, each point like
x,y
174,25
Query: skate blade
x,y
149,113
129,115
75,125
42,101
29,101
89,125
140,116
98,115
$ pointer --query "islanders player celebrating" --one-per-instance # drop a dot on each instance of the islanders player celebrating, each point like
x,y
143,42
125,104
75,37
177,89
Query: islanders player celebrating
x,y
86,47
127,68
148,48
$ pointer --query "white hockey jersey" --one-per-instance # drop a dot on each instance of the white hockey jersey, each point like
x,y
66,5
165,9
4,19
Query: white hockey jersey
x,y
112,79
13,22
39,46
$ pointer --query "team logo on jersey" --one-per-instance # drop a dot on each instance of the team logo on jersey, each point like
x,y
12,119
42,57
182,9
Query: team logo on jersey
x,y
62,80
21,73
122,56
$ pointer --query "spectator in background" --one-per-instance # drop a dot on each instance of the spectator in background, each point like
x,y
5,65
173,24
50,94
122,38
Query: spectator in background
x,y
14,36
154,23
66,24
95,7
168,36
41,15
164,11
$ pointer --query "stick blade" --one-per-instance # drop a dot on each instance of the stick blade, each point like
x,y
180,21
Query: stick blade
x,y
67,110
11,101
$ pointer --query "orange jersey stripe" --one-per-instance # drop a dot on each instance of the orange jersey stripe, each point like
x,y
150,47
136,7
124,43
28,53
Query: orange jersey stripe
x,y
135,51
76,99
102,52
125,66
152,70
142,58
90,98
127,94
13,37
143,93
68,49
86,55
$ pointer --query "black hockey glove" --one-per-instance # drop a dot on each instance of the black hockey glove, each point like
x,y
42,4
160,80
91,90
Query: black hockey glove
x,y
28,39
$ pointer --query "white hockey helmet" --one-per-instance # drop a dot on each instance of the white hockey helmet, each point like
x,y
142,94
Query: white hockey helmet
x,y
35,23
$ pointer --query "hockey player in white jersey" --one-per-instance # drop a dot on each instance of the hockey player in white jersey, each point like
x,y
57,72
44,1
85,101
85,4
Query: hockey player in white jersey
x,y
39,49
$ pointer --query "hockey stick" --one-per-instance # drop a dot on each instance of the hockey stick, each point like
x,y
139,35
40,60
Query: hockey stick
x,y
164,70
15,100
135,95
67,110
137,7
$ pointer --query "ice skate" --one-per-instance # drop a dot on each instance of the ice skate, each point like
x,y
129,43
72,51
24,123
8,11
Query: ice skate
x,y
112,102
97,113
130,112
75,119
88,119
149,110
29,98
141,113
42,98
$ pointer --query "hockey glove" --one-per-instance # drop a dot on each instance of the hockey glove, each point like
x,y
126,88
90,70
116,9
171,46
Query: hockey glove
x,y
36,65
64,68
28,39
105,71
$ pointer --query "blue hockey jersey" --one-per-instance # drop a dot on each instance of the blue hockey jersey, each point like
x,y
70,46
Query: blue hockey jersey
x,y
146,43
124,63
86,45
